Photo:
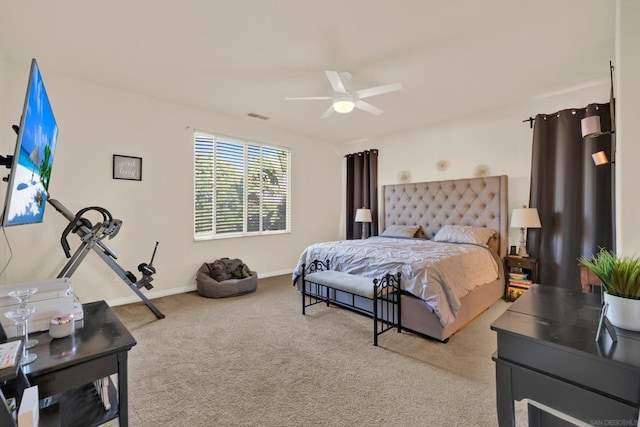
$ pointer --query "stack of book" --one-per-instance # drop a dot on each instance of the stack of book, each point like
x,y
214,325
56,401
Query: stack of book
x,y
9,353
102,387
518,284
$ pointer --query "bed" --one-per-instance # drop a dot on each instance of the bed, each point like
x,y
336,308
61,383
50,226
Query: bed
x,y
447,238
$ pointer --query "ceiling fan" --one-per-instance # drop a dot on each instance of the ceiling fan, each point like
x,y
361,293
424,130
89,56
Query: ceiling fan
x,y
345,100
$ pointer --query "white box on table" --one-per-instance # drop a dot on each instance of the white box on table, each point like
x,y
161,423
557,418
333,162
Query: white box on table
x,y
53,298
29,411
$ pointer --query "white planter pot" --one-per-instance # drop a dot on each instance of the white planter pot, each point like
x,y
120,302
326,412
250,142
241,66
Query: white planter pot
x,y
623,312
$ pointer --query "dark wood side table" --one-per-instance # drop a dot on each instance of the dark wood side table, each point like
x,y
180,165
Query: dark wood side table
x,y
13,381
589,281
547,353
66,368
515,288
530,265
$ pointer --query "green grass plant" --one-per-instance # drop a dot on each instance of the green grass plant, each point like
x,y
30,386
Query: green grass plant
x,y
620,276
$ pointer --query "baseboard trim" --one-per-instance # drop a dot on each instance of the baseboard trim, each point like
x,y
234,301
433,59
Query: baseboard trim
x,y
275,273
151,295
178,290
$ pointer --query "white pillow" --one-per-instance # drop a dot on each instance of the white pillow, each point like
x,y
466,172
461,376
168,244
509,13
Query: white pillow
x,y
400,230
464,234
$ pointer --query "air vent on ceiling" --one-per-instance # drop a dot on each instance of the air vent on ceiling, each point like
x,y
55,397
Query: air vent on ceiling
x,y
258,116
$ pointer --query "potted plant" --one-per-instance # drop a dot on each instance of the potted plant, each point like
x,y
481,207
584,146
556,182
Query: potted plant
x,y
620,277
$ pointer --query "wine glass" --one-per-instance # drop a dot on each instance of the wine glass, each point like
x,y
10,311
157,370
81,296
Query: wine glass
x,y
23,295
20,317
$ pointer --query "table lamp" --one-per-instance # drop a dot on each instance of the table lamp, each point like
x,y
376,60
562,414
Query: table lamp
x,y
524,218
364,216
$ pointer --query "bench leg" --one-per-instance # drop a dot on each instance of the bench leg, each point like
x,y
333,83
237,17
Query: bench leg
x,y
303,287
390,310
303,296
375,316
399,306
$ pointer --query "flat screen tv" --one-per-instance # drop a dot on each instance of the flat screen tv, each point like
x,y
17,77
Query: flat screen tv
x,y
28,181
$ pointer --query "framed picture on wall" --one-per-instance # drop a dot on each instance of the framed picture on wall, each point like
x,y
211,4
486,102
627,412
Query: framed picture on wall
x,y
127,167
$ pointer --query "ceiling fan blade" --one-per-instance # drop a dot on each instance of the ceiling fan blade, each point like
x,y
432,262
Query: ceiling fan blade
x,y
365,106
327,113
336,81
307,98
378,90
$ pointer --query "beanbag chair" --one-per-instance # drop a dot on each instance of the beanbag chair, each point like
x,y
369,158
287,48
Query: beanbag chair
x,y
212,288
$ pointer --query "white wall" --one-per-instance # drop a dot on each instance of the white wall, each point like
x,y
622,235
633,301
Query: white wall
x,y
498,139
627,126
96,122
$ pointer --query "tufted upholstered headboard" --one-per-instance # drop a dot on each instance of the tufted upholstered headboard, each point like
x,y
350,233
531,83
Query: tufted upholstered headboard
x,y
480,202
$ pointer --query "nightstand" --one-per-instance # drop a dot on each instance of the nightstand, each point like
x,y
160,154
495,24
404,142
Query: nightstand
x,y
520,274
589,281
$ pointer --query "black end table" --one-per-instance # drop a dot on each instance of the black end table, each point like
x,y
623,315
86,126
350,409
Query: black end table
x,y
547,353
66,368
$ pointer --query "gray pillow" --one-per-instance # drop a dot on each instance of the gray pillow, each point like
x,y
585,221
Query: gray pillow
x,y
464,234
400,230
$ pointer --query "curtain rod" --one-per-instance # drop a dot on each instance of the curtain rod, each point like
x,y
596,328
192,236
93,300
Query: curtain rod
x,y
611,69
530,120
372,150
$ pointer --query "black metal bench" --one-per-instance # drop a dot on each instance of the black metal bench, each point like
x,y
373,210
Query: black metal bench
x,y
320,284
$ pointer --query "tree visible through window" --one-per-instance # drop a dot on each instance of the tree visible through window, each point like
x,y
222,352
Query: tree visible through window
x,y
241,188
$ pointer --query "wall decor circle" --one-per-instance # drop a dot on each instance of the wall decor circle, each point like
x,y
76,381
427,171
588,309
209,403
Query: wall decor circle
x,y
442,165
481,170
404,177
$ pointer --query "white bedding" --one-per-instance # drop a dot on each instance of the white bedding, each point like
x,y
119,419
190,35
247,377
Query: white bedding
x,y
438,273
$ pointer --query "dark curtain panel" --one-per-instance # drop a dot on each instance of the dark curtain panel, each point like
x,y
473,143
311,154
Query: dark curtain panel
x,y
574,197
362,191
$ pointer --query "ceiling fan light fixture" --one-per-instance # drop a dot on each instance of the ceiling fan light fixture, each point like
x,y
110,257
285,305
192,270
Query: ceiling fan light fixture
x,y
343,105
344,101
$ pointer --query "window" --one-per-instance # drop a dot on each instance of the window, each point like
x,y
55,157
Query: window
x,y
241,188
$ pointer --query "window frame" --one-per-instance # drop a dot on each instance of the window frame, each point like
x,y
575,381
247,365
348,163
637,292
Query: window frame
x,y
246,144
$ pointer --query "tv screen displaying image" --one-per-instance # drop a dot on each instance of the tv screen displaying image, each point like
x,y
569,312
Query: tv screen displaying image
x,y
28,182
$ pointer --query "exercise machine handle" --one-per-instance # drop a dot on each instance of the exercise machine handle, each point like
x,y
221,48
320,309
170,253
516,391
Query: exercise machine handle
x,y
78,221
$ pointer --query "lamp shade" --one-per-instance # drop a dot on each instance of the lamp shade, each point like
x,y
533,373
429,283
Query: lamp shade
x,y
525,218
363,215
590,126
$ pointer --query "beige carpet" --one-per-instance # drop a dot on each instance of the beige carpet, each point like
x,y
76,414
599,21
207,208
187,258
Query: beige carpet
x,y
254,360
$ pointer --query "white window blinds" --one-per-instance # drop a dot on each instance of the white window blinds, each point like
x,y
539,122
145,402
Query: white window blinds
x,y
241,188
